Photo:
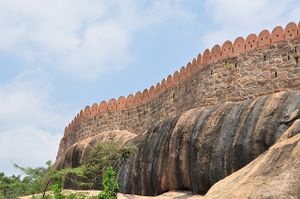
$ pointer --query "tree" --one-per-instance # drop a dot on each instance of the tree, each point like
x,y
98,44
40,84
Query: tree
x,y
41,178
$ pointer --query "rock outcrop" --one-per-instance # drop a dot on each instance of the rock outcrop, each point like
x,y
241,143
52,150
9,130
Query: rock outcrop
x,y
274,174
196,149
78,152
194,128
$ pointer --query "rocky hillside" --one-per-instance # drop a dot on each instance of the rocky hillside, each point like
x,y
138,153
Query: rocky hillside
x,y
200,147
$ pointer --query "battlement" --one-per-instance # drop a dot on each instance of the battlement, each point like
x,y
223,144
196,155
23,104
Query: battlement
x,y
235,71
228,49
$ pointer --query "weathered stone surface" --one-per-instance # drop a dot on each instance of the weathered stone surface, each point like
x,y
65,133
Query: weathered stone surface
x,y
248,75
75,155
274,174
198,148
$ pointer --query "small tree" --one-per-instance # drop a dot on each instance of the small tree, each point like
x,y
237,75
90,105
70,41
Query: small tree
x,y
110,184
42,178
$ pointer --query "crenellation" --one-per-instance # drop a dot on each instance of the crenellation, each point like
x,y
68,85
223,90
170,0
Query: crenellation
x,y
169,81
195,63
251,42
86,112
121,103
112,105
227,49
163,85
277,34
94,110
205,57
138,98
264,38
102,107
291,31
236,71
151,92
215,53
182,74
239,46
130,100
145,96
157,89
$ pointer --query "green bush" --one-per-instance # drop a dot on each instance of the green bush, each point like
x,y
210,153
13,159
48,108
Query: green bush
x,y
13,186
101,157
57,191
110,185
103,161
36,180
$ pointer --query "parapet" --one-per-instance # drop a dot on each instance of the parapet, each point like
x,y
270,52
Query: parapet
x,y
226,50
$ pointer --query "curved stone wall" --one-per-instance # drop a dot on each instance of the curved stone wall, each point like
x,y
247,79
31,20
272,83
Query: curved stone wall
x,y
244,69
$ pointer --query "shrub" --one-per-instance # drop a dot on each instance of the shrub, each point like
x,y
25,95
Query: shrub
x,y
57,191
39,180
101,157
110,184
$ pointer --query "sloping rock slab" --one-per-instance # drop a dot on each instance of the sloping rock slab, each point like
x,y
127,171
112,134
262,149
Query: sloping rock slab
x,y
196,149
274,174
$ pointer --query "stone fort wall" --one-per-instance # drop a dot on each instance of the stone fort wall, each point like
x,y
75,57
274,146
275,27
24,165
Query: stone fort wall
x,y
244,69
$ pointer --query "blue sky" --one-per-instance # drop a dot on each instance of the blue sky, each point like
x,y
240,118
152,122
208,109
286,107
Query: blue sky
x,y
58,56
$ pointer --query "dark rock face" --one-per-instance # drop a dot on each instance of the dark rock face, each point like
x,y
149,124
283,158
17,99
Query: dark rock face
x,y
196,149
274,174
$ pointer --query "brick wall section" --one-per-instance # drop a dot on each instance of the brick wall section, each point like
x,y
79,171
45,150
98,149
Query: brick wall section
x,y
263,70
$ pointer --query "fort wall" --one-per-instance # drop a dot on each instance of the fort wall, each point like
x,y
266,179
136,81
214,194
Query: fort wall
x,y
235,71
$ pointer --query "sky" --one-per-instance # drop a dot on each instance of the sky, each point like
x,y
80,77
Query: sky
x,y
57,56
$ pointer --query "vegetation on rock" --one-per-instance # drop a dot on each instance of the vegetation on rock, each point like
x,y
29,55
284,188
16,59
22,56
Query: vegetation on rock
x,y
102,162
103,156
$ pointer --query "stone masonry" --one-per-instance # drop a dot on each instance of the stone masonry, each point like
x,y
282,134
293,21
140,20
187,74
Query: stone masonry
x,y
245,69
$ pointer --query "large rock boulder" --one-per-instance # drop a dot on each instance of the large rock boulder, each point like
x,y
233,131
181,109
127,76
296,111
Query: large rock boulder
x,y
274,174
76,154
196,149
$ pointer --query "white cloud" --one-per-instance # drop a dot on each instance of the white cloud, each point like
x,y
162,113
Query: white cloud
x,y
30,124
233,18
82,37
104,46
27,146
27,100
